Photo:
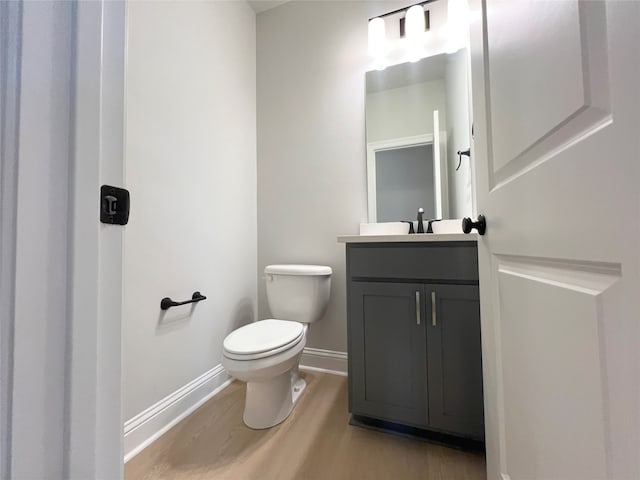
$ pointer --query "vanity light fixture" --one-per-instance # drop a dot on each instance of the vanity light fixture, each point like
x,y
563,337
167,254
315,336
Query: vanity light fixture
x,y
413,23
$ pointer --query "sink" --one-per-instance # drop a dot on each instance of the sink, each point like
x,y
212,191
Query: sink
x,y
453,225
400,228
384,228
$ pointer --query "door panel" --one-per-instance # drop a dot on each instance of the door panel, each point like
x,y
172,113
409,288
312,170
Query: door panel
x,y
384,326
454,360
556,148
548,60
552,372
554,29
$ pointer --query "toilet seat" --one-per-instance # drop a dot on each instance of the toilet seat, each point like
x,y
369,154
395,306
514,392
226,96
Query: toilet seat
x,y
262,339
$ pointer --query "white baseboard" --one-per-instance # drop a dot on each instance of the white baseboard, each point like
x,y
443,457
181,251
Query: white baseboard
x,y
146,427
327,361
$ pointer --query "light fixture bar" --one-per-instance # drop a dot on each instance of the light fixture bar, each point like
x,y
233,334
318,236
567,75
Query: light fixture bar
x,y
401,10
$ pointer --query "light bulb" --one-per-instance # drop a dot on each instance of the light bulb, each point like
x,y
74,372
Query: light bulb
x,y
457,28
414,29
414,23
377,38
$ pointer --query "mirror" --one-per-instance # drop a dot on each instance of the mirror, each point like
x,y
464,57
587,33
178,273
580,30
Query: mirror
x,y
417,119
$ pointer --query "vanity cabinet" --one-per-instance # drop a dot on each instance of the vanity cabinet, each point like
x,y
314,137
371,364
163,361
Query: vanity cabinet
x,y
414,335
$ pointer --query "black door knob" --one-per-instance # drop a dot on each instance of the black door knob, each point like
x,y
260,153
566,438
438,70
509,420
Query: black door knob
x,y
480,225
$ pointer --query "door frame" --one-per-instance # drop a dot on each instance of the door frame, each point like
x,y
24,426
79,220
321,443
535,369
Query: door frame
x,y
10,35
441,185
95,440
494,449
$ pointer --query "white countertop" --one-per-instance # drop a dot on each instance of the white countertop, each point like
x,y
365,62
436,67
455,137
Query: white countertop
x,y
415,237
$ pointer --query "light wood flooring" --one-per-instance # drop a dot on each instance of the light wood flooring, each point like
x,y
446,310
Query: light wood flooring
x,y
316,442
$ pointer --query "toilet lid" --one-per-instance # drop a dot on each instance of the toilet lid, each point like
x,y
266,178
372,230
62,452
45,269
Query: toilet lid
x,y
299,270
262,336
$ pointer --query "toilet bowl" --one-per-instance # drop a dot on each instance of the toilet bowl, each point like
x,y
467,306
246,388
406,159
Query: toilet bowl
x,y
266,353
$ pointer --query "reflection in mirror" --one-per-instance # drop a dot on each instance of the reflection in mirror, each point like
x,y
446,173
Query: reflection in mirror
x,y
417,117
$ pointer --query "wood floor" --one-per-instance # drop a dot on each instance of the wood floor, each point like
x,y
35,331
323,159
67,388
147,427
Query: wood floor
x,y
316,442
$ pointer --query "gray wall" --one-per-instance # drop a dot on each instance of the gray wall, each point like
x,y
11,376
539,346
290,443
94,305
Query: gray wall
x,y
191,168
311,62
404,182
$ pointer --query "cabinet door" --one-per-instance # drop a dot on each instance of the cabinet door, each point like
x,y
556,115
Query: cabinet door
x,y
454,359
387,352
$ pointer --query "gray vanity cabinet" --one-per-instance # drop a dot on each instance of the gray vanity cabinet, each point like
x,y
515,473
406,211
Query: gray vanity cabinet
x,y
412,361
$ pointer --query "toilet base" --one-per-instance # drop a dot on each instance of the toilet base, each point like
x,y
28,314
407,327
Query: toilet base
x,y
297,385
269,403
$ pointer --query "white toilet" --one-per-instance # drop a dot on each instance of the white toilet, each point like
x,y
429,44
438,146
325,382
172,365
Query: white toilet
x,y
265,354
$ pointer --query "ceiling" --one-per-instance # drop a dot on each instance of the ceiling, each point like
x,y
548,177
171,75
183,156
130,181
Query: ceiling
x,y
262,5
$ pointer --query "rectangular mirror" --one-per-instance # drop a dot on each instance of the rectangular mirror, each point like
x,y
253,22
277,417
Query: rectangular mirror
x,y
417,119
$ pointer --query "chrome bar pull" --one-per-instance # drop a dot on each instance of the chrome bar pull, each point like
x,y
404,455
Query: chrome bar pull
x,y
434,321
417,308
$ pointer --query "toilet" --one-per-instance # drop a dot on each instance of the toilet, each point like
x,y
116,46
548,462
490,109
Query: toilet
x,y
266,353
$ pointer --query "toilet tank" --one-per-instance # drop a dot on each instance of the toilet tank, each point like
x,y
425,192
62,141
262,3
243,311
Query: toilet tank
x,y
298,292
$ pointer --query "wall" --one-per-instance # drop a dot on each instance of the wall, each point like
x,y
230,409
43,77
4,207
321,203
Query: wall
x,y
311,62
191,169
405,111
458,133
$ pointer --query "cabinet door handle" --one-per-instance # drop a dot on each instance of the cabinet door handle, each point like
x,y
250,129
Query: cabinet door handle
x,y
417,308
434,320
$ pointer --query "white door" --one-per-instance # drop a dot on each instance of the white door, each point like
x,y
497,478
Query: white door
x,y
557,125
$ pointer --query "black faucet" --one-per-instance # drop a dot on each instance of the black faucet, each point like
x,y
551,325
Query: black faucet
x,y
420,225
429,224
411,230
